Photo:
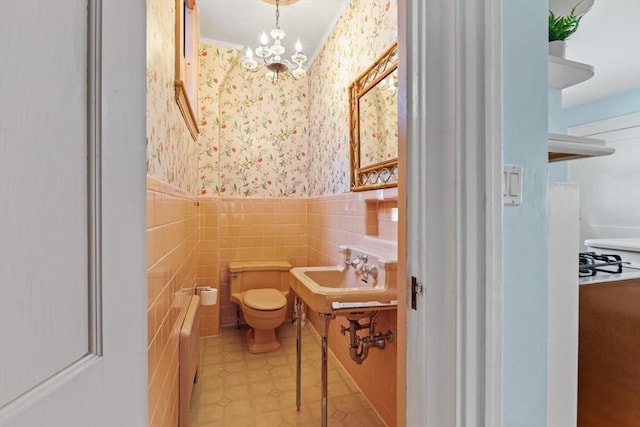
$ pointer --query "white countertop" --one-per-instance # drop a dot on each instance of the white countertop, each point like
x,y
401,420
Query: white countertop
x,y
630,244
630,271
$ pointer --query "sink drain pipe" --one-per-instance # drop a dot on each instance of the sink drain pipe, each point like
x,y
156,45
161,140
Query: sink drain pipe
x,y
359,346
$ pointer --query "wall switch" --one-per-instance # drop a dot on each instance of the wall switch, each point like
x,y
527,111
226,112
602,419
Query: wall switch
x,y
512,185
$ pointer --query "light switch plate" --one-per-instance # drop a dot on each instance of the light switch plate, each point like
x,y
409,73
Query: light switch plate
x,y
512,185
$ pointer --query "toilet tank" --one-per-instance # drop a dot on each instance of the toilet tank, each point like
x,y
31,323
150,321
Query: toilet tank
x,y
246,275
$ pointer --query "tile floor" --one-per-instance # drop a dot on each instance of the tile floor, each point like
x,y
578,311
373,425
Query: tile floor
x,y
237,388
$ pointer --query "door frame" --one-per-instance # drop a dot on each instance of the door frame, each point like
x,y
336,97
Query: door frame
x,y
451,232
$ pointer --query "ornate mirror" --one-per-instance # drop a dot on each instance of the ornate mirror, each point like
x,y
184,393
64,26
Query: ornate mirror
x,y
373,121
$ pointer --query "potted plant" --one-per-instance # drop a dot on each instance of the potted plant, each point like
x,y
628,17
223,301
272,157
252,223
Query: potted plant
x,y
560,28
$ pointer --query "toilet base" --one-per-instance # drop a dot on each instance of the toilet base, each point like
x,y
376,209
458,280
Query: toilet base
x,y
262,341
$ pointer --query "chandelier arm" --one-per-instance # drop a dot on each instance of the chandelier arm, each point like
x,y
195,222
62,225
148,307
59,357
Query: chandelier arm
x,y
287,63
256,69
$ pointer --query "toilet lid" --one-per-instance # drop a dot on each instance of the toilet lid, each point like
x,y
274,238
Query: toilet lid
x,y
264,299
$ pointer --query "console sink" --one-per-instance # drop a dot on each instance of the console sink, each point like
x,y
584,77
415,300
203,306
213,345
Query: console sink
x,y
320,287
362,285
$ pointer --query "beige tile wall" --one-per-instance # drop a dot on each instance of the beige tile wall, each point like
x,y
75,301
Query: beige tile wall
x,y
172,252
207,274
381,219
192,242
362,219
265,229
333,221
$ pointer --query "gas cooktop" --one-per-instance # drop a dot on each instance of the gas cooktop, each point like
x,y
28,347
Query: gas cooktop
x,y
596,268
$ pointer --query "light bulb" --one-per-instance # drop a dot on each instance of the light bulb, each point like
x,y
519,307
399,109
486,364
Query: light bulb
x,y
298,46
264,38
248,62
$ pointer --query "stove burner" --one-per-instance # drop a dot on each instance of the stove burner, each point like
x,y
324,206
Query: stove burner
x,y
590,263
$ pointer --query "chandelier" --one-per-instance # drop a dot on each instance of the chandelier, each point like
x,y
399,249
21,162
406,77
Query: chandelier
x,y
271,56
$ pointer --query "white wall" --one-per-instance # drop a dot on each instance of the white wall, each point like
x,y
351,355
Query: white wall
x,y
610,185
525,127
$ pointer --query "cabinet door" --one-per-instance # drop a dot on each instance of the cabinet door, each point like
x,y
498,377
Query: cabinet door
x,y
608,371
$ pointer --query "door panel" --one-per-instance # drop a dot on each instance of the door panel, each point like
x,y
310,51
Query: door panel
x,y
43,188
72,213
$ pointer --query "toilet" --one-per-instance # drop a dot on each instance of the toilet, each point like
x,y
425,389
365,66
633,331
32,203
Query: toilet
x,y
260,289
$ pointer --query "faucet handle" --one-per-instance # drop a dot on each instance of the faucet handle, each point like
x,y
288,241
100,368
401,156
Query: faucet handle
x,y
357,261
372,270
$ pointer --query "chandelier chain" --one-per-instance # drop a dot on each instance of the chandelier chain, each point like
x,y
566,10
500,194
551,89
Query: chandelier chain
x,y
278,14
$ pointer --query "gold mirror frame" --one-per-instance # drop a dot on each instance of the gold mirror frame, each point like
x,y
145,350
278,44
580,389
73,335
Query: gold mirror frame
x,y
383,174
186,63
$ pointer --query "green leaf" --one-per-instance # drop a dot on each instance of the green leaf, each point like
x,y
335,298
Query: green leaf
x,y
561,27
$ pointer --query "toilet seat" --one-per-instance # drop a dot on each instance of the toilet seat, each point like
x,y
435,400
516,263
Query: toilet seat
x,y
264,299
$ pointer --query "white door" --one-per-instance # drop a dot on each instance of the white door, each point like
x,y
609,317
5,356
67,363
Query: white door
x,y
453,161
72,213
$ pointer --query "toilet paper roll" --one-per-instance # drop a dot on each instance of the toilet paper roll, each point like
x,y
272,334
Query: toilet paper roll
x,y
208,296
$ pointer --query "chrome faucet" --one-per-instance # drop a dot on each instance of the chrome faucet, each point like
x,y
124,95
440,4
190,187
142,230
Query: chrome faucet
x,y
370,270
360,259
360,264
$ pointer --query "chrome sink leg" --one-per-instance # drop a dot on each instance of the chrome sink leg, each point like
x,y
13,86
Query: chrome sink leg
x,y
324,320
298,350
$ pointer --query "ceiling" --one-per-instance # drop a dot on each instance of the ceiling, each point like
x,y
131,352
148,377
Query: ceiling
x,y
608,37
238,23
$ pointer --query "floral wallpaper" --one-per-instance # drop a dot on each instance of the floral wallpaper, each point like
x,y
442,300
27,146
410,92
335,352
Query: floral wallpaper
x,y
378,125
263,136
214,64
256,144
363,32
259,138
172,154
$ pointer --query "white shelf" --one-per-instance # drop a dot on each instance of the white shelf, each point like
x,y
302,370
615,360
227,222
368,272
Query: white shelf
x,y
564,73
565,147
